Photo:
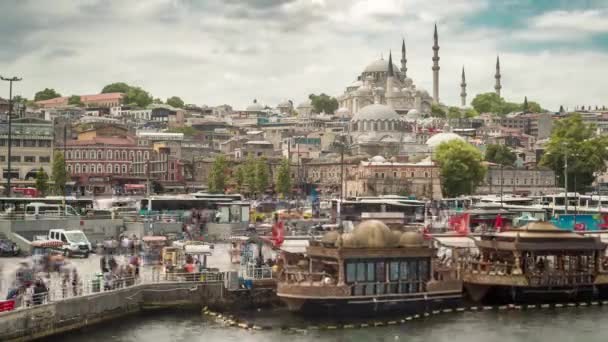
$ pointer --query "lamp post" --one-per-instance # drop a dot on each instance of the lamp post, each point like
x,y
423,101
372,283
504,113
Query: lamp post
x,y
10,115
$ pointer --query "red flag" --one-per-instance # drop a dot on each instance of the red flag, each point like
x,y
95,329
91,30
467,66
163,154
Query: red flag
x,y
426,234
278,233
462,227
498,223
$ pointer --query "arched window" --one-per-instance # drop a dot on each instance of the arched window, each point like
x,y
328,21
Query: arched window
x,y
85,169
77,168
131,155
124,155
138,156
77,154
146,155
116,169
109,155
124,168
117,155
92,154
109,168
99,155
70,168
99,168
68,155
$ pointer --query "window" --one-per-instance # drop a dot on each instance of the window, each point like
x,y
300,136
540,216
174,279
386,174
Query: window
x,y
172,166
68,155
92,154
2,158
116,169
69,168
3,142
146,155
16,143
77,154
99,168
77,168
44,143
29,143
131,155
109,168
124,155
29,159
109,155
124,169
85,169
117,155
99,155
15,159
412,174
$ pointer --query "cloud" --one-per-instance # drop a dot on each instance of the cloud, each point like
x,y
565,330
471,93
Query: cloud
x,y
587,21
229,51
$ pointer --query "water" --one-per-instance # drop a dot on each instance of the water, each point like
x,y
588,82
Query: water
x,y
566,324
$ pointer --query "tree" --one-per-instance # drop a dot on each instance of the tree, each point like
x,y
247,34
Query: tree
x,y
323,103
249,170
46,94
218,175
534,107
75,100
460,167
133,95
470,113
487,103
175,101
157,187
188,131
239,177
157,101
454,113
42,182
561,109
525,107
262,175
500,154
283,185
585,149
59,175
437,111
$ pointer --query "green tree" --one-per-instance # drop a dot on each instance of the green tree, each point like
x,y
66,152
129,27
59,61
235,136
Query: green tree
x,y
59,175
283,185
586,152
323,103
262,176
218,175
239,178
437,111
461,167
75,100
133,95
46,94
454,113
534,107
249,170
492,103
157,101
42,182
500,154
470,113
175,101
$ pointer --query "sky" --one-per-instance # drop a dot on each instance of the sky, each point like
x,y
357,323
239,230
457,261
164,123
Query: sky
x,y
217,52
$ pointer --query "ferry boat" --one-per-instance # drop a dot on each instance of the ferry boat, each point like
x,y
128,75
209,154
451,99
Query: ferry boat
x,y
535,263
370,271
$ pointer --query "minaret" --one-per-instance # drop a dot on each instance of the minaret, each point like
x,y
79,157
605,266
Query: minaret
x,y
403,60
463,90
497,76
390,82
436,67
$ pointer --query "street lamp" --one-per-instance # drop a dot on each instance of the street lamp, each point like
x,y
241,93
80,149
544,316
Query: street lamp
x,y
10,115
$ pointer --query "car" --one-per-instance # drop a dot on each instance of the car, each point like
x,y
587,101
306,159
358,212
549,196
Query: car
x,y
9,248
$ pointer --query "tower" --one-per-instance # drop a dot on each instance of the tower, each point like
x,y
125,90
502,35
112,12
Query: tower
x,y
403,60
497,86
390,82
463,90
435,67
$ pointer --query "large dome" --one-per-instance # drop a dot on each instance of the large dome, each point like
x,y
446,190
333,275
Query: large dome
x,y
440,138
376,112
380,65
255,107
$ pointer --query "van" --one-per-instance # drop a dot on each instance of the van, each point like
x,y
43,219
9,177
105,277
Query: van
x,y
38,210
75,242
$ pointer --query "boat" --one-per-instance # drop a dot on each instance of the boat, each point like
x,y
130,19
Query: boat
x,y
370,271
535,263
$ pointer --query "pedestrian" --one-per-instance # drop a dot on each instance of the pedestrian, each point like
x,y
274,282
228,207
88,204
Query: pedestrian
x,y
75,283
108,281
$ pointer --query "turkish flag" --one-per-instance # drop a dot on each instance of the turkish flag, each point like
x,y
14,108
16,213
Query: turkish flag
x,y
461,225
498,223
278,233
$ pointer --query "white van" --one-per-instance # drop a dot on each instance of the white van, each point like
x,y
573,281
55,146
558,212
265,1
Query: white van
x,y
38,210
75,242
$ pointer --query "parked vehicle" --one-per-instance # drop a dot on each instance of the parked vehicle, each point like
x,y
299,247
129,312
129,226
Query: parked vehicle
x,y
9,248
75,242
38,210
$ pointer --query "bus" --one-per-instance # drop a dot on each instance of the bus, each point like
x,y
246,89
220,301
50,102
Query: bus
x,y
18,204
352,210
168,204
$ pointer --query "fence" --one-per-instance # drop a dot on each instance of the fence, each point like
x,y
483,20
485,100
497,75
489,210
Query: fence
x,y
57,290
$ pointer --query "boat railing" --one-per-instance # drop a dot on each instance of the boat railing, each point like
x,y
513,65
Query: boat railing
x,y
250,271
488,267
305,277
560,279
383,288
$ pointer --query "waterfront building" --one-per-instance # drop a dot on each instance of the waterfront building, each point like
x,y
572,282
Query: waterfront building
x,y
518,181
106,100
32,149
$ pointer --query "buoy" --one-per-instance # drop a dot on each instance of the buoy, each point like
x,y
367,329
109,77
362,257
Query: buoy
x,y
416,316
447,310
502,307
487,308
571,304
460,309
545,306
331,327
348,326
391,322
473,308
364,325
531,307
559,305
378,324
594,303
582,304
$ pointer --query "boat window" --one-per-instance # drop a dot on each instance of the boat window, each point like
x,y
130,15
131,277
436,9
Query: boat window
x,y
394,272
380,272
413,270
351,271
404,269
360,271
370,271
423,269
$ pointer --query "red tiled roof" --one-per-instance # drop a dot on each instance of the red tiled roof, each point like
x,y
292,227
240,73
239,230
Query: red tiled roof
x,y
101,97
57,100
104,141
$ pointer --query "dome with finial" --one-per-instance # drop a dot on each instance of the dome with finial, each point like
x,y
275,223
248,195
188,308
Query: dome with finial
x,y
376,112
380,65
255,107
440,138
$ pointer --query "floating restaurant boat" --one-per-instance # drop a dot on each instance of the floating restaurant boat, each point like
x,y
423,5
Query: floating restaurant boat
x,y
369,271
535,263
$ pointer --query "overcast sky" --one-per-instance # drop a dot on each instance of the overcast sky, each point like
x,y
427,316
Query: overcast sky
x,y
232,51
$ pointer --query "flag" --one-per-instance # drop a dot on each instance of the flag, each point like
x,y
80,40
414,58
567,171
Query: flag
x,y
278,233
460,223
498,224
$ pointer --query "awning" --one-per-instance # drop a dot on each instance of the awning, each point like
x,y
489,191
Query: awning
x,y
135,186
456,241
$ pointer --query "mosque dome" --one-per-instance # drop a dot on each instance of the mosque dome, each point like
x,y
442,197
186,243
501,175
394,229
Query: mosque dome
x,y
413,114
377,159
379,65
255,107
356,84
411,239
376,112
342,112
440,138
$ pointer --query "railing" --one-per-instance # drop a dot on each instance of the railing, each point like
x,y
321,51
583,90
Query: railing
x,y
57,290
491,268
396,287
257,273
560,279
